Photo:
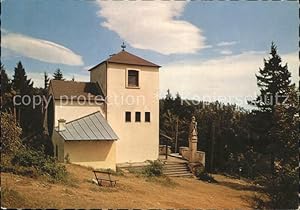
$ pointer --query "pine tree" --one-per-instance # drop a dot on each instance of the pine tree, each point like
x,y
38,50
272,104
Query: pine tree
x,y
282,189
6,90
20,83
5,81
274,82
58,75
23,86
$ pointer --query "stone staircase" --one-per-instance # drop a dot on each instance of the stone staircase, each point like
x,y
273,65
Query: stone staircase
x,y
176,169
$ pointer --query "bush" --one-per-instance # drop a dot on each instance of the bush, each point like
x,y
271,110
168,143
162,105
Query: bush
x,y
33,163
281,191
155,168
10,134
138,171
17,158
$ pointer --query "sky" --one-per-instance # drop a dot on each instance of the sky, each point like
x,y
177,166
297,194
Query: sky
x,y
208,50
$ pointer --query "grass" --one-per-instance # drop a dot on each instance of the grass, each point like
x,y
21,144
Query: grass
x,y
150,177
97,188
11,197
130,191
69,192
163,181
69,180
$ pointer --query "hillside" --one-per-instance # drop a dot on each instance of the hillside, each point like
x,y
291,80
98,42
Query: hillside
x,y
131,192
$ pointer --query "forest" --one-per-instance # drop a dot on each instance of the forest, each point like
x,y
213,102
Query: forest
x,y
260,144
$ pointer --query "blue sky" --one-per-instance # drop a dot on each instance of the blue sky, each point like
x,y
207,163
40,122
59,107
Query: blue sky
x,y
204,48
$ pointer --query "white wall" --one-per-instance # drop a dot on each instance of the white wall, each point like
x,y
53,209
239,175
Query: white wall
x,y
95,154
74,111
138,141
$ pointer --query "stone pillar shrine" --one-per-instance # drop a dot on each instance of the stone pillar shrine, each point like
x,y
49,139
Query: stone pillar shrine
x,y
193,140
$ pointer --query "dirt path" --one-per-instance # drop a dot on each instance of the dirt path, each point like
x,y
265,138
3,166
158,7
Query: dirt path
x,y
131,192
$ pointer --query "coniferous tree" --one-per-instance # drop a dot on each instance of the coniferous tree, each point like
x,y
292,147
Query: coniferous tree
x,y
225,145
23,86
274,83
6,90
5,81
20,83
58,75
282,188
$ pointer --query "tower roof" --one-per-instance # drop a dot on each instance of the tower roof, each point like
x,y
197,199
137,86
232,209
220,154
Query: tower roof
x,y
124,57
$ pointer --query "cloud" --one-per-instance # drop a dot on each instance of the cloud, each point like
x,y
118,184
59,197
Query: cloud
x,y
228,78
152,25
222,44
88,67
226,52
40,49
207,46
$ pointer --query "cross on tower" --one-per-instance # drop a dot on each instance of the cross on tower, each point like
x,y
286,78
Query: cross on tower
x,y
123,46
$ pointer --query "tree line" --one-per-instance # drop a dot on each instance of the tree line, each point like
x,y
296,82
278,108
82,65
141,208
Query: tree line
x,y
29,118
26,148
260,144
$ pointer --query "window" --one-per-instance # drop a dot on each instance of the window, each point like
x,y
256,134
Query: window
x,y
56,151
137,117
133,78
127,116
147,116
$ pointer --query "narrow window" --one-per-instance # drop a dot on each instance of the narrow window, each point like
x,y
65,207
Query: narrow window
x,y
56,151
137,117
147,116
133,78
127,116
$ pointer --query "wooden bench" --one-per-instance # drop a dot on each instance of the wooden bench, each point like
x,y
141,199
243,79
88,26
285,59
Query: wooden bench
x,y
100,177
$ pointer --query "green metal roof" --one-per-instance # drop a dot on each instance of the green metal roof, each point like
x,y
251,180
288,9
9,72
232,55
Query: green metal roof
x,y
91,127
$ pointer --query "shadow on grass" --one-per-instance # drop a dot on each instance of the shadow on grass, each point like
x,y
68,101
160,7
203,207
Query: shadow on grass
x,y
237,186
255,201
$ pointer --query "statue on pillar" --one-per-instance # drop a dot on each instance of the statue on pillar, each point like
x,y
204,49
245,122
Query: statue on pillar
x,y
193,127
193,139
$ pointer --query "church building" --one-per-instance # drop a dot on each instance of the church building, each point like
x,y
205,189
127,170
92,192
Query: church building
x,y
112,119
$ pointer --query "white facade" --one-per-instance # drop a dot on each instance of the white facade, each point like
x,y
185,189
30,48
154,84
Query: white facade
x,y
73,110
138,141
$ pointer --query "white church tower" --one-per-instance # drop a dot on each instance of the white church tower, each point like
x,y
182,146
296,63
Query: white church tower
x,y
131,87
